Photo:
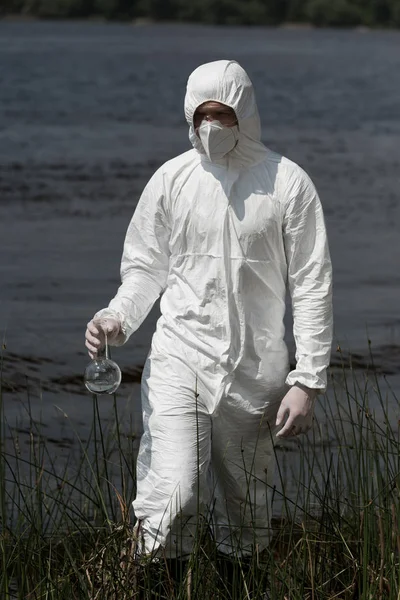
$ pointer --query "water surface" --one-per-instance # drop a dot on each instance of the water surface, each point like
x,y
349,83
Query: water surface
x,y
87,113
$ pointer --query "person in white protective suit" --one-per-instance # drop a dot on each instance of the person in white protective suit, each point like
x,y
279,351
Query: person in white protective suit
x,y
220,232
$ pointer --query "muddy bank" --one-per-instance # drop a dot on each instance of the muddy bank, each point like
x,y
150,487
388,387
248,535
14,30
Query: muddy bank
x,y
21,373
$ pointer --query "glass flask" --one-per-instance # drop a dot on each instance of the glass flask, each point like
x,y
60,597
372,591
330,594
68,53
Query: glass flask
x,y
102,375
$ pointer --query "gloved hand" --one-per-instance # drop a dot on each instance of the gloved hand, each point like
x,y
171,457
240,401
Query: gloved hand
x,y
95,338
298,407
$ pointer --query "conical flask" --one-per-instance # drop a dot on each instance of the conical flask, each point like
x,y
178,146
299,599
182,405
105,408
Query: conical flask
x,y
102,375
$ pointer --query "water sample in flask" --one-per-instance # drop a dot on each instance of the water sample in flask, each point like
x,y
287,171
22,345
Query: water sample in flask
x,y
102,375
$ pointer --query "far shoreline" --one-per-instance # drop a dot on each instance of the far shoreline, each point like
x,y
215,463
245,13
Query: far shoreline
x,y
300,26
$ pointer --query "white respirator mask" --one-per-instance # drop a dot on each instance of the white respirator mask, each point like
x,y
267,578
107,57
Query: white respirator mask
x,y
217,140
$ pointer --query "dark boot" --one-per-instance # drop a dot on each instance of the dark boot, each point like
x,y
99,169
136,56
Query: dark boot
x,y
231,577
241,577
151,582
176,569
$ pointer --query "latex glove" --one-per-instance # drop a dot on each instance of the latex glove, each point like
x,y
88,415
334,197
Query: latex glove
x,y
297,407
95,338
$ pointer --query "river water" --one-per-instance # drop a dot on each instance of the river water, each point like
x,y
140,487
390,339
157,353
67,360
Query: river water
x,y
88,111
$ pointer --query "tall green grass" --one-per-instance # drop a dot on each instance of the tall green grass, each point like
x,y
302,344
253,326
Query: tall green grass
x,y
66,525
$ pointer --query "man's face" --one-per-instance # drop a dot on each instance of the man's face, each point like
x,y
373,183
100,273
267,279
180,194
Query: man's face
x,y
214,111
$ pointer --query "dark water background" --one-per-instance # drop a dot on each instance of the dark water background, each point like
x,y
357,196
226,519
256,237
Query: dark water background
x,y
87,113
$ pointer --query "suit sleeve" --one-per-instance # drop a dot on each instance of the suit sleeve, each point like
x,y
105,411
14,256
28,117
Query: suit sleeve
x,y
310,284
145,261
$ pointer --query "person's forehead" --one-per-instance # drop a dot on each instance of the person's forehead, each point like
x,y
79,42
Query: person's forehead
x,y
212,105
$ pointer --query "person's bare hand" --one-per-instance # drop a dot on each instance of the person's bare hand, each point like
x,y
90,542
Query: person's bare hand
x,y
297,407
95,334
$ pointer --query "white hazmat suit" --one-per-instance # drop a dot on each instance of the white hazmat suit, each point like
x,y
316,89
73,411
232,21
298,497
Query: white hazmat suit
x,y
221,240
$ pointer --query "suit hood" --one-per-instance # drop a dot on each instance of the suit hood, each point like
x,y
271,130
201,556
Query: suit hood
x,y
225,81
